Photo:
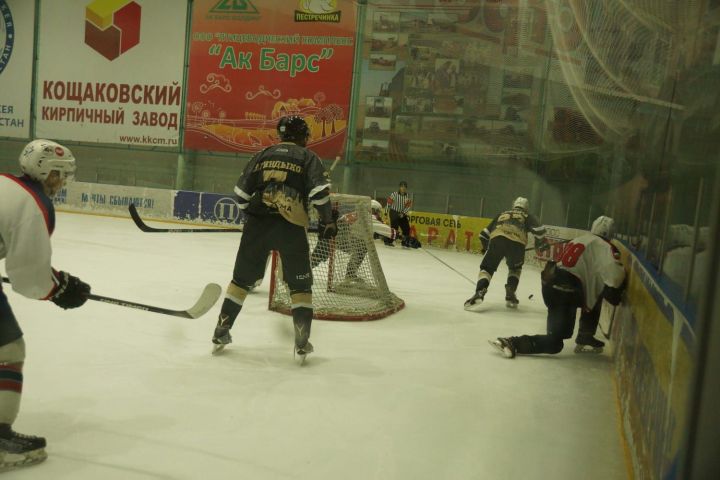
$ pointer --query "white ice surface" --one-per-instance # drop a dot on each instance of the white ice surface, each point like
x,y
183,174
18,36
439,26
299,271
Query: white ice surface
x,y
125,394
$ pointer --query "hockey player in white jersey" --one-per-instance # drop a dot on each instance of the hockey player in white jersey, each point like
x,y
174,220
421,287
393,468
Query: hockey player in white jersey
x,y
27,219
506,237
588,272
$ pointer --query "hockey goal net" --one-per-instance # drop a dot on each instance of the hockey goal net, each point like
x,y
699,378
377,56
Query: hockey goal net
x,y
348,280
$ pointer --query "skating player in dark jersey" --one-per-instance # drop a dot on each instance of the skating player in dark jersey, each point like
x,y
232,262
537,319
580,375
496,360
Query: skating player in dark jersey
x,y
506,237
276,190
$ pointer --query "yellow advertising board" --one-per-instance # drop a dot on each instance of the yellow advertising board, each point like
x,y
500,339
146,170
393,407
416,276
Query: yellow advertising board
x,y
447,231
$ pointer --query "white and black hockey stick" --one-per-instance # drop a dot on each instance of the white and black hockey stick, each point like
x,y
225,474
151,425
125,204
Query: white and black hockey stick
x,y
207,299
146,228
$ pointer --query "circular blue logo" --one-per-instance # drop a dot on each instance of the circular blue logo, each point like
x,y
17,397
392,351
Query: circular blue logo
x,y
7,34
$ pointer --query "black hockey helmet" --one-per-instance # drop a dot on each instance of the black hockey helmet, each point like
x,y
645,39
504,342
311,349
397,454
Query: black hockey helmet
x,y
293,129
403,183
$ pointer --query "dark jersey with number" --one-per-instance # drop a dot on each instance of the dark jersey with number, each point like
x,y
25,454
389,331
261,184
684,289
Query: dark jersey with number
x,y
515,225
284,180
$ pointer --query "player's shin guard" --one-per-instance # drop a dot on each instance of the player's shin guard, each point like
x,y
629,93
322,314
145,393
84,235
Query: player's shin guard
x,y
302,313
11,382
473,303
232,304
586,341
12,356
511,300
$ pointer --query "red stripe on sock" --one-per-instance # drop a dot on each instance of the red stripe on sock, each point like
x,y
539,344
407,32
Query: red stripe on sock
x,y
11,385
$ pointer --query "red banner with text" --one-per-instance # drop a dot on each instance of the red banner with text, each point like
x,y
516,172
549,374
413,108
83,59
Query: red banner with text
x,y
253,62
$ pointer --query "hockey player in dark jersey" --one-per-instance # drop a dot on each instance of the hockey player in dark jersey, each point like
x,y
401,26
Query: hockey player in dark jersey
x,y
27,220
276,189
506,237
588,272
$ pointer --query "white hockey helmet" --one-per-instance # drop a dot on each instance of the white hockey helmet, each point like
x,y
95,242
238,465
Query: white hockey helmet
x,y
603,226
40,157
375,205
522,203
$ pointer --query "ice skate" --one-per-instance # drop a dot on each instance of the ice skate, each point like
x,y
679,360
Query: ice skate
x,y
504,345
472,303
221,337
585,343
302,352
511,300
18,450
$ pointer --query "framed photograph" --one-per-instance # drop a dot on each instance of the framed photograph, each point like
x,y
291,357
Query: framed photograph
x,y
378,106
386,21
380,61
441,22
388,42
374,144
417,105
422,53
413,21
376,127
419,78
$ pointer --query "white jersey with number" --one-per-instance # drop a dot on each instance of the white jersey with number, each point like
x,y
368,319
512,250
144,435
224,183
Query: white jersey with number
x,y
595,262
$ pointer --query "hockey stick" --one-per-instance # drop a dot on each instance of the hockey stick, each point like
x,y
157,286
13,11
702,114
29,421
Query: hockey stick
x,y
332,167
146,228
451,268
610,325
550,245
207,299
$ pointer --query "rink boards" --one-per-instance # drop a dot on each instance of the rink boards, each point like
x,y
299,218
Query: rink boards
x,y
653,340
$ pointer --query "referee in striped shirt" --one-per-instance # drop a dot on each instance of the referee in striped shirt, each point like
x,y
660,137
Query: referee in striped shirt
x,y
398,204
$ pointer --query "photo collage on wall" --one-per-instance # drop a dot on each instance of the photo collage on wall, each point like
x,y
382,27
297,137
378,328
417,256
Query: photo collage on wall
x,y
445,100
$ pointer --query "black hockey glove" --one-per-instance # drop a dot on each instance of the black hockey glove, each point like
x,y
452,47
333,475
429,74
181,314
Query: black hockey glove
x,y
613,295
71,292
326,231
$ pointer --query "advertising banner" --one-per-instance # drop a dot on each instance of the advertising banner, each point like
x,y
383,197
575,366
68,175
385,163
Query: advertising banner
x,y
113,72
253,62
447,231
114,199
16,55
207,208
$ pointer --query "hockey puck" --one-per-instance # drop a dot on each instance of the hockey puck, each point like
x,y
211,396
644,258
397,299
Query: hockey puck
x,y
530,297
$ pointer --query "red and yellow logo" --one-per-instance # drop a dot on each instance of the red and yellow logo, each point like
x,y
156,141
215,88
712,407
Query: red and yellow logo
x,y
112,27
